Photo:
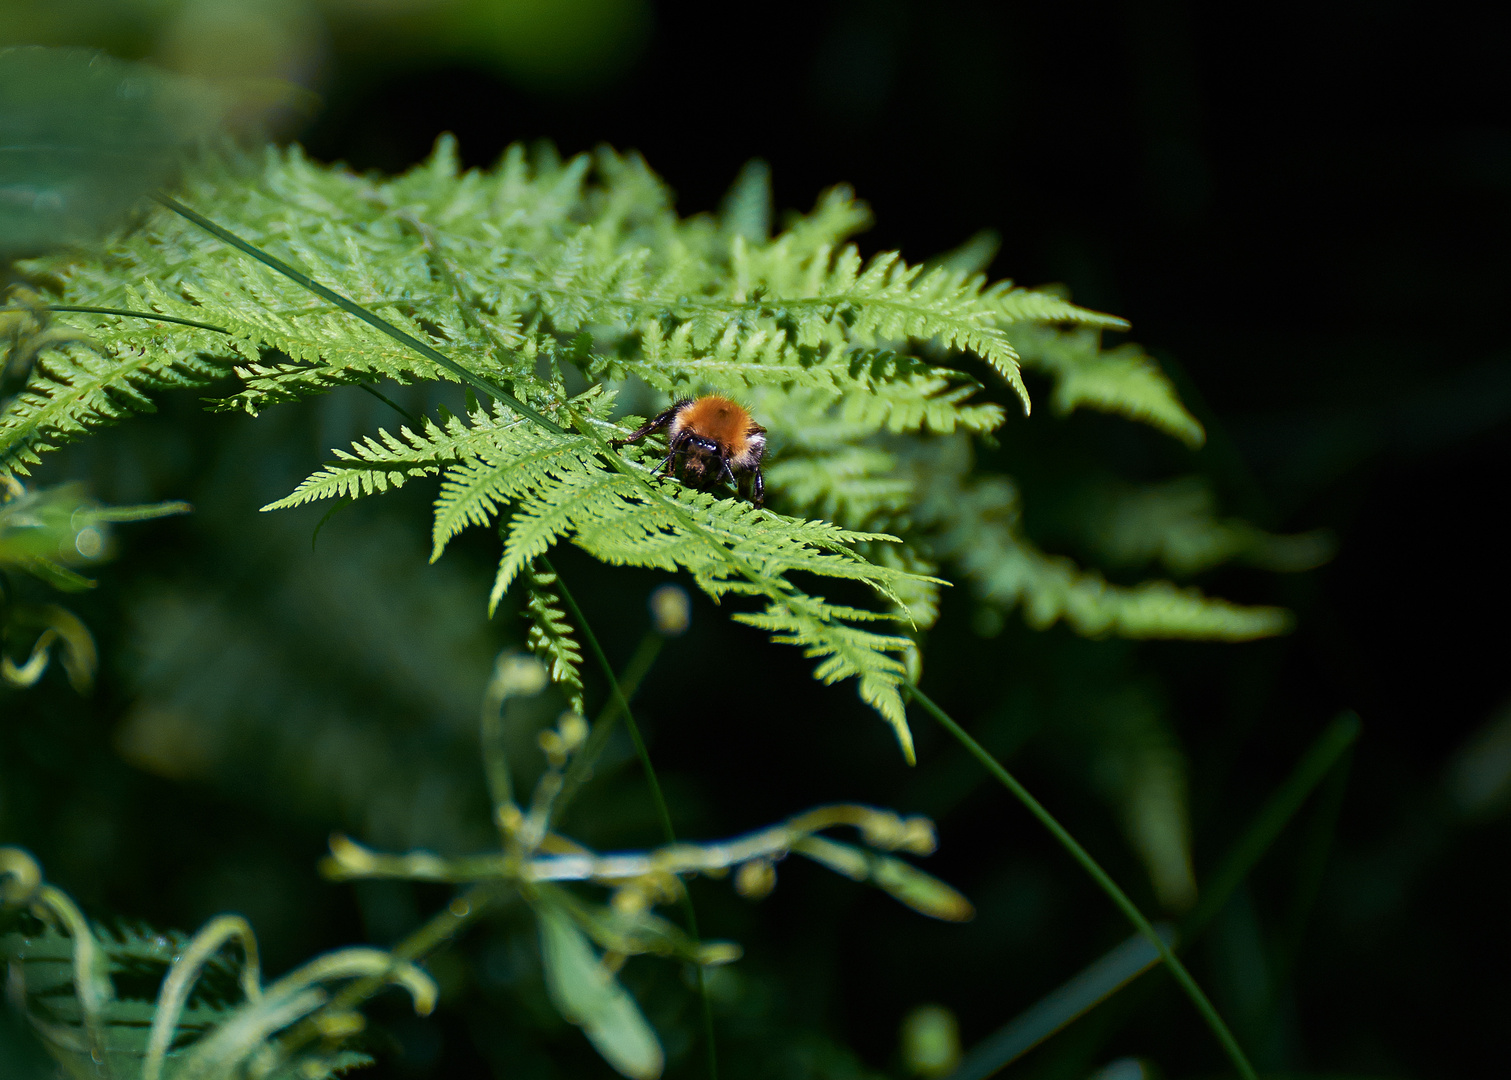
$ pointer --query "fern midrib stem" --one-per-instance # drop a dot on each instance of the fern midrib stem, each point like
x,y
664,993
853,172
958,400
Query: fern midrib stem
x,y
1104,880
656,796
351,307
128,314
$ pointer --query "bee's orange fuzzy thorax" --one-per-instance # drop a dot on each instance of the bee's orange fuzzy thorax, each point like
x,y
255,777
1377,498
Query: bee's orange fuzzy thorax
x,y
720,419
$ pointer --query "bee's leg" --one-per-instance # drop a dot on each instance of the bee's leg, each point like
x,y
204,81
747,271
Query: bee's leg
x,y
758,485
649,426
727,471
674,448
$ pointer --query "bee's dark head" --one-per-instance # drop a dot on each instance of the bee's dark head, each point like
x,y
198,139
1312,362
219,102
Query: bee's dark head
x,y
701,467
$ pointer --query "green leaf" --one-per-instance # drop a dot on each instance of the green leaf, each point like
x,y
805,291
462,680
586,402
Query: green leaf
x,y
83,137
1123,380
588,995
904,882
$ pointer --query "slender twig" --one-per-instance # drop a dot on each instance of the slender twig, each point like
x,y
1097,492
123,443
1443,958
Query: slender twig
x,y
657,797
1178,970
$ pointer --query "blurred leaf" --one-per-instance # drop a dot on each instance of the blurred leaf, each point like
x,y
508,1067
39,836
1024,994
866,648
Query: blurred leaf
x,y
972,257
586,994
551,45
905,882
1123,1069
1479,777
49,531
1122,380
637,931
1176,524
83,137
930,1041
746,210
1138,765
919,891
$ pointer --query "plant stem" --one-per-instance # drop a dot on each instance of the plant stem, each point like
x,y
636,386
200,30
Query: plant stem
x,y
1178,970
1326,758
656,796
1277,813
435,932
581,768
391,403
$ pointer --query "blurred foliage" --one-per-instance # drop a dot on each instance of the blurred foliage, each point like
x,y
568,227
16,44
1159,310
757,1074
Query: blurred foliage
x,y
558,47
48,534
92,994
83,138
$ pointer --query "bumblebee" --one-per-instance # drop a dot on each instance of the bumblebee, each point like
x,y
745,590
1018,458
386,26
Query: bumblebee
x,y
709,439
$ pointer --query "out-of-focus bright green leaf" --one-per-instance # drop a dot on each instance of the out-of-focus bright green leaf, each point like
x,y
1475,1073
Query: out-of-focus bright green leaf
x,y
920,891
83,137
588,995
49,532
930,1041
905,882
634,932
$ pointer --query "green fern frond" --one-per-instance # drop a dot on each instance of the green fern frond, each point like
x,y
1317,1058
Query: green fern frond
x,y
975,524
878,388
746,209
846,651
1123,380
499,268
471,451
883,301
858,484
1051,588
836,216
78,386
561,488
551,636
729,547
512,274
1176,523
